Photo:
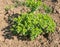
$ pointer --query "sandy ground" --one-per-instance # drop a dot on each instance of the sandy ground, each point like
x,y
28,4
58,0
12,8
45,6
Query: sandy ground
x,y
6,40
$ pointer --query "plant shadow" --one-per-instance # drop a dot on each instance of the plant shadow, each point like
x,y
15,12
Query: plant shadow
x,y
7,33
54,0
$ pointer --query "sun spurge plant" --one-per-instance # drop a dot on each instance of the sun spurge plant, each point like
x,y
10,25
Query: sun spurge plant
x,y
32,25
33,4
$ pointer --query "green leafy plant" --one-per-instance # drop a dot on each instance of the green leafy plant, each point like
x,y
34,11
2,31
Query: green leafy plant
x,y
32,25
33,4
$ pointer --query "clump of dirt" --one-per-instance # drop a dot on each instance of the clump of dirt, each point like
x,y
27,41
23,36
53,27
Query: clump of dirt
x,y
7,39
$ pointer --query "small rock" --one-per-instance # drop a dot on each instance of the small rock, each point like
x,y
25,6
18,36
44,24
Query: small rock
x,y
1,38
59,29
58,10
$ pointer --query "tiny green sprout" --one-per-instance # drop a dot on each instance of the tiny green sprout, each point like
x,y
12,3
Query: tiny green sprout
x,y
9,7
47,8
17,3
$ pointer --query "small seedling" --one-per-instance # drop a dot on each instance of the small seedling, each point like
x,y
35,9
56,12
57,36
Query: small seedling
x,y
33,4
9,7
47,8
17,3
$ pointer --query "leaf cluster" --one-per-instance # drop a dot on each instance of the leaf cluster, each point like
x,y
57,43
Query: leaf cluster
x,y
32,25
33,4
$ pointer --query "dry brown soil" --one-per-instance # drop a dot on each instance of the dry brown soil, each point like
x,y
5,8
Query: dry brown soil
x,y
6,40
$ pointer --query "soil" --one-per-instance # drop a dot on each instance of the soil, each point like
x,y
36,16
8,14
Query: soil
x,y
8,40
